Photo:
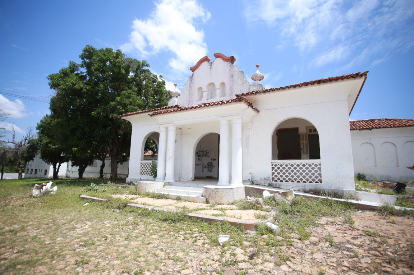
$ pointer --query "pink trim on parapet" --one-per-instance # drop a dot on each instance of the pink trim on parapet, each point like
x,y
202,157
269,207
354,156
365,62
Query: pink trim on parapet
x,y
204,59
231,59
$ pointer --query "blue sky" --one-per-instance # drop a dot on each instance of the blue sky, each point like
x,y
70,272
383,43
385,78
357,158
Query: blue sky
x,y
293,41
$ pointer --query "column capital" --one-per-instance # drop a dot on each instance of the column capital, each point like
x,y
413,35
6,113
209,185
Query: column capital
x,y
237,120
228,118
172,127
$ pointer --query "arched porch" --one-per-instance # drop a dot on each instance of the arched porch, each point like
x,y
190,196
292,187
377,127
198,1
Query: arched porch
x,y
296,154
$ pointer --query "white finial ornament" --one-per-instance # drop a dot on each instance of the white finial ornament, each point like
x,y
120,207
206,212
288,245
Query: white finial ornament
x,y
174,94
257,76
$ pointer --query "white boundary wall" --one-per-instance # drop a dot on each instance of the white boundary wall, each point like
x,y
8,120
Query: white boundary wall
x,y
384,154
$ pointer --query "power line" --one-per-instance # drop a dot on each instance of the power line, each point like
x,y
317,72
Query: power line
x,y
28,97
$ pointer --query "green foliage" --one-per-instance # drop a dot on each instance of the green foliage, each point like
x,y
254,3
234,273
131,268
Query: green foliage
x,y
151,146
91,96
406,201
361,177
297,216
153,169
247,205
330,240
390,210
93,187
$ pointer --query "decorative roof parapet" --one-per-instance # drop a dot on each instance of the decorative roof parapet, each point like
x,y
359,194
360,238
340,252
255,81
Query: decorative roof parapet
x,y
380,123
196,66
309,83
231,59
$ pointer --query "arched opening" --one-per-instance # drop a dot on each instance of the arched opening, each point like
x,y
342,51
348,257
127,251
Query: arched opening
x,y
295,138
150,146
211,91
149,153
296,152
207,157
199,94
222,89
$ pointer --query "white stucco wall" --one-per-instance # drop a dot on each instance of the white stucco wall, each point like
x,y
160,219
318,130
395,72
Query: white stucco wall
x,y
215,72
93,170
37,168
384,154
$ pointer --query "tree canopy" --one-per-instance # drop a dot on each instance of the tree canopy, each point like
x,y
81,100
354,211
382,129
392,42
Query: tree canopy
x,y
91,96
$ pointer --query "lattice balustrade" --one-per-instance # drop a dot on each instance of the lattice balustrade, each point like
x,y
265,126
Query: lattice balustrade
x,y
145,169
297,171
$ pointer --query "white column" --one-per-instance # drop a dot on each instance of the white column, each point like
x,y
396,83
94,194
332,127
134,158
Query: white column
x,y
224,173
162,148
237,153
169,175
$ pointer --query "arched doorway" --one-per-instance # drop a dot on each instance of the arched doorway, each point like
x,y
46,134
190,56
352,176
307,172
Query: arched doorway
x,y
207,157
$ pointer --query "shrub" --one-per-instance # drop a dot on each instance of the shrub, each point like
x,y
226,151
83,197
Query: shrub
x,y
361,177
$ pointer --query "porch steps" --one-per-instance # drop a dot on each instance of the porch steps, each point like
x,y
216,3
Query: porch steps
x,y
187,192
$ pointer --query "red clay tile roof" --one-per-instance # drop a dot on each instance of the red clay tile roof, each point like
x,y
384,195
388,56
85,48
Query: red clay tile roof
x,y
150,110
309,83
205,105
379,123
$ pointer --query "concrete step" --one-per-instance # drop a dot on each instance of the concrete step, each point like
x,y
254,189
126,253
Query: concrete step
x,y
183,192
180,187
197,184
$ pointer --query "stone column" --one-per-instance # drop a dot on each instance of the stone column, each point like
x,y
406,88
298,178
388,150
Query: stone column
x,y
162,148
169,175
237,153
224,173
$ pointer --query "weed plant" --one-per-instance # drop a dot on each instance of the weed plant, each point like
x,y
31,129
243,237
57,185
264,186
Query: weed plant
x,y
303,212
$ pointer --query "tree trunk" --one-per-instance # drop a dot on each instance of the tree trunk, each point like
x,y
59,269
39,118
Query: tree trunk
x,y
114,165
19,169
2,170
102,169
114,153
81,170
56,168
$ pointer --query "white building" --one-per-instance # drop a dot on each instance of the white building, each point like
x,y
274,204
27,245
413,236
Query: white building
x,y
222,127
37,168
384,148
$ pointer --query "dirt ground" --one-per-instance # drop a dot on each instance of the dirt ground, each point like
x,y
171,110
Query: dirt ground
x,y
49,238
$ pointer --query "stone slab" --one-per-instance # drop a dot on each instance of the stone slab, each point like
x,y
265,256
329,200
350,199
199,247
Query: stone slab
x,y
223,194
149,186
89,198
246,224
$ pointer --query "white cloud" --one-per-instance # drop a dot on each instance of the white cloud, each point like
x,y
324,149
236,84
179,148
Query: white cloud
x,y
14,109
20,48
271,78
9,127
337,54
338,29
171,27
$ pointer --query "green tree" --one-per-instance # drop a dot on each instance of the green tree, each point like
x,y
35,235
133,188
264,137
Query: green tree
x,y
48,144
91,96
